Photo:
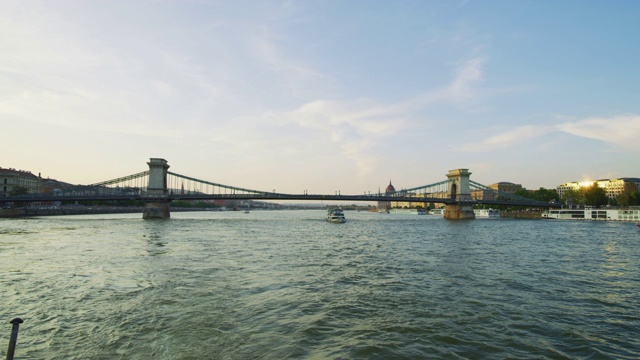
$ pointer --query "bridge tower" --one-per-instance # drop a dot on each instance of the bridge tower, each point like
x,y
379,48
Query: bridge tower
x,y
461,193
157,198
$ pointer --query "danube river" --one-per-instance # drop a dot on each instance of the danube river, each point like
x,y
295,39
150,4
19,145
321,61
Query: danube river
x,y
288,285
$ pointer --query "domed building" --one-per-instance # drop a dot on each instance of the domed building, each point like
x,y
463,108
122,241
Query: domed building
x,y
390,189
385,205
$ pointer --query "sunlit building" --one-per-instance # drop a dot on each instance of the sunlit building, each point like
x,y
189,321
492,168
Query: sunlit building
x,y
612,187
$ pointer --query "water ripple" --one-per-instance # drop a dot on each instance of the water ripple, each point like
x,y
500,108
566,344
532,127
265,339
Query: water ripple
x,y
274,285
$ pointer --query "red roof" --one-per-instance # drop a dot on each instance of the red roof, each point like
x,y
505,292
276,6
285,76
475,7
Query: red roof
x,y
390,188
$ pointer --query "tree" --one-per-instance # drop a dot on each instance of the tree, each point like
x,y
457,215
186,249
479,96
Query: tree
x,y
595,196
547,195
573,196
524,193
541,194
627,199
623,199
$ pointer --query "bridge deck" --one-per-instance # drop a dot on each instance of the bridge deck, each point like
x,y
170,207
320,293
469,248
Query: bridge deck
x,y
267,196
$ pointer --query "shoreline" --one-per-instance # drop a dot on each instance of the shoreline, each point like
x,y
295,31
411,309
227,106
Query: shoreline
x,y
80,210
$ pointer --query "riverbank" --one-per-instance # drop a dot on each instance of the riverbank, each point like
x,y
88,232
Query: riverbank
x,y
80,210
66,210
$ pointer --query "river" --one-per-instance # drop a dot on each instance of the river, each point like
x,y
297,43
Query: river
x,y
288,285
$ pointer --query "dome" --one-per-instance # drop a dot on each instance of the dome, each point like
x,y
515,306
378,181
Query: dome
x,y
390,188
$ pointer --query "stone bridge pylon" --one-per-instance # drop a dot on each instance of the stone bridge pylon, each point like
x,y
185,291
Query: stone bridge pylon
x,y
157,198
461,193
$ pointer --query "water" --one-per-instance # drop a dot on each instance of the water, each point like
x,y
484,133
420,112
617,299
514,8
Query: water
x,y
286,284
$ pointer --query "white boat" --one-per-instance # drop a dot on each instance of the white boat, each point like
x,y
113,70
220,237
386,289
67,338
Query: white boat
x,y
593,214
439,211
336,216
409,211
487,213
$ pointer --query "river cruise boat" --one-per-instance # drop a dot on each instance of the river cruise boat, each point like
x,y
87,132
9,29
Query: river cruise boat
x,y
336,216
409,211
593,214
487,213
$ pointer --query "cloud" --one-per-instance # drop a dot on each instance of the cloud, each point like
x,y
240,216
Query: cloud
x,y
295,73
461,89
358,124
623,131
467,74
358,151
507,138
355,126
363,116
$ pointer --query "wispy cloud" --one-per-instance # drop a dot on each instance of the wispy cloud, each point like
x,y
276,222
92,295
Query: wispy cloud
x,y
507,138
354,126
463,87
295,73
468,74
622,131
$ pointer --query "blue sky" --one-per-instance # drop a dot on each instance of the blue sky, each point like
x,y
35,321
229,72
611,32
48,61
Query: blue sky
x,y
322,95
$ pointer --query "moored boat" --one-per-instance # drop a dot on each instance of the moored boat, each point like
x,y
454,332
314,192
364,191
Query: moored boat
x,y
487,213
409,211
593,214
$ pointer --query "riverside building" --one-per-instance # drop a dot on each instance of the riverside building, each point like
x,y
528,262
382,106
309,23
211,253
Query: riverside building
x,y
612,187
12,180
503,187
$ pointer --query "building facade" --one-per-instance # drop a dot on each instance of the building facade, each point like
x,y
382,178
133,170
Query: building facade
x,y
13,181
501,187
612,187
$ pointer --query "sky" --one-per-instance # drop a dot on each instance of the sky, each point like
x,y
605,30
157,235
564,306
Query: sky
x,y
322,95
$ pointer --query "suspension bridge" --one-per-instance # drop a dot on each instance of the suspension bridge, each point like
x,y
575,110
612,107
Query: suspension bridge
x,y
158,186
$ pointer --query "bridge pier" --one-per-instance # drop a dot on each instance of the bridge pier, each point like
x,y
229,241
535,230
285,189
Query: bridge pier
x,y
157,199
461,193
156,210
459,211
